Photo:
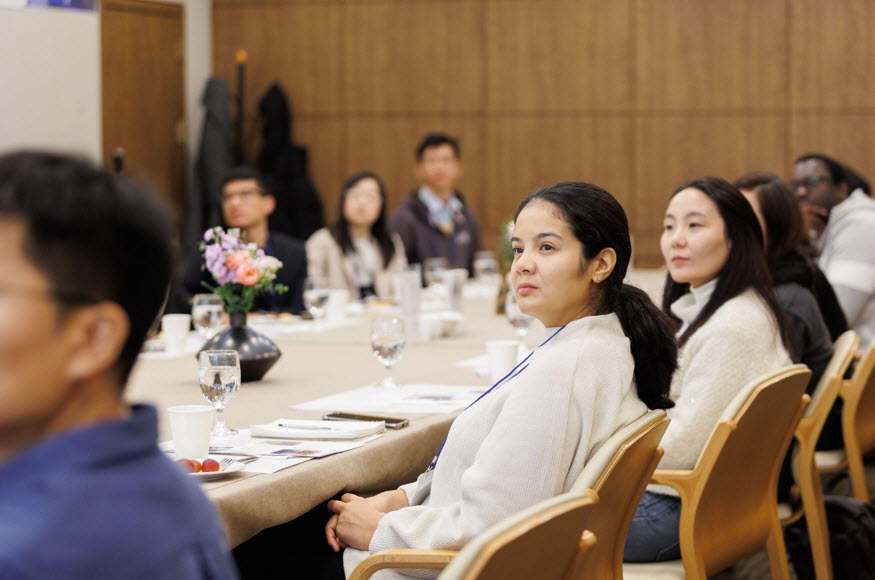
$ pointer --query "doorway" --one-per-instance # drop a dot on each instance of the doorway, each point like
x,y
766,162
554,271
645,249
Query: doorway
x,y
143,94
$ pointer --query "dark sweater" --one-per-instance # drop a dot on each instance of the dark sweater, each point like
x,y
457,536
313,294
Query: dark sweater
x,y
422,239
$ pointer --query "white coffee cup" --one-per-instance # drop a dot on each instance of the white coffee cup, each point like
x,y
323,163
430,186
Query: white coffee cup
x,y
503,356
337,301
190,426
175,329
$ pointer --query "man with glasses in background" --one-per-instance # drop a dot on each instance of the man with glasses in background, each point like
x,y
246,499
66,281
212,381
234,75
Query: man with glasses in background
x,y
842,226
246,204
85,491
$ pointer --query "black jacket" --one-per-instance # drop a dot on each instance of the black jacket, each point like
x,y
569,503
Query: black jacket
x,y
293,273
298,210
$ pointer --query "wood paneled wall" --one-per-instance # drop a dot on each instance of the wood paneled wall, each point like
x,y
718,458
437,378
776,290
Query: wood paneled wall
x,y
633,95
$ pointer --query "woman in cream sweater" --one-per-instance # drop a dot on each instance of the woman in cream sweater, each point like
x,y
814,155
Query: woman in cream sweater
x,y
731,330
609,355
357,252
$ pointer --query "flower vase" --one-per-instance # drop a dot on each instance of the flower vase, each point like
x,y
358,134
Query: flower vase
x,y
257,352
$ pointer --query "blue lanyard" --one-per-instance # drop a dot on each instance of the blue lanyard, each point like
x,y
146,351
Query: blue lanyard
x,y
520,367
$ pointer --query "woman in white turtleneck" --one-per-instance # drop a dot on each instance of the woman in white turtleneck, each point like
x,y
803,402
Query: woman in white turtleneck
x,y
609,355
731,330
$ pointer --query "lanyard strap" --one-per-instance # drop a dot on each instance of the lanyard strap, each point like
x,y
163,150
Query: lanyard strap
x,y
520,367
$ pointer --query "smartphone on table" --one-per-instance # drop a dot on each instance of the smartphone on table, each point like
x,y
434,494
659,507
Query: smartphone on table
x,y
391,422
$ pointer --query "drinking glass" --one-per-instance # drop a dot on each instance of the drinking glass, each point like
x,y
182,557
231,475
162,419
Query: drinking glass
x,y
434,270
486,267
518,319
220,380
206,313
387,341
316,293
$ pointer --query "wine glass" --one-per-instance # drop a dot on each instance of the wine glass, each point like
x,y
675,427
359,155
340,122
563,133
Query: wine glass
x,y
206,313
486,267
434,270
220,380
316,294
518,319
387,341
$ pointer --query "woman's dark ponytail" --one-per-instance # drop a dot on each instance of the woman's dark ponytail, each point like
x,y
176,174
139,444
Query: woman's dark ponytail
x,y
651,335
598,222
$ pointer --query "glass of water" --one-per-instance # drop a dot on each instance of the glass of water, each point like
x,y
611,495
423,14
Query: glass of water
x,y
434,269
316,293
518,319
486,267
220,380
206,313
387,341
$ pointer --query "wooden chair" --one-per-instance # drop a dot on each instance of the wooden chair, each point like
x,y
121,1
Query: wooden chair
x,y
544,541
619,472
858,426
805,470
621,468
729,499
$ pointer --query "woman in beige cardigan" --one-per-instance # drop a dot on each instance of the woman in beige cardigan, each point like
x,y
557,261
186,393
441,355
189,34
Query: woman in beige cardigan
x,y
357,252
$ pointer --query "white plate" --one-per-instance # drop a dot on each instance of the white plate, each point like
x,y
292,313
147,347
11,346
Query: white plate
x,y
211,475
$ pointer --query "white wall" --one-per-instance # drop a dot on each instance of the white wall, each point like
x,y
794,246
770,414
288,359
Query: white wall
x,y
50,78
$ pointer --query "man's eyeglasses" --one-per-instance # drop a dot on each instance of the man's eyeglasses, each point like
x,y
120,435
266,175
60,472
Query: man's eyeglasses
x,y
244,195
809,183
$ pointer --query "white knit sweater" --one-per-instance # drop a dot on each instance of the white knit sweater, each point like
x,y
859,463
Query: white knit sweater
x,y
738,343
524,442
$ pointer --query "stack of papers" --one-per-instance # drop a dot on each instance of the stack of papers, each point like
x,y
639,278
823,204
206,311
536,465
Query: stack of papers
x,y
304,429
403,400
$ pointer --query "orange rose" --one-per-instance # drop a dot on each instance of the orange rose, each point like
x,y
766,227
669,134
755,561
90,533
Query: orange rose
x,y
247,274
233,261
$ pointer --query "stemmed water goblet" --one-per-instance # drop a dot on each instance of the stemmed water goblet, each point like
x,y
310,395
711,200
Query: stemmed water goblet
x,y
316,293
388,339
206,313
219,379
518,319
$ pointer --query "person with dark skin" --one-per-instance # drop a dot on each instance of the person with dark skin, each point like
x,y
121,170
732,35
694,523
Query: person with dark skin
x,y
842,224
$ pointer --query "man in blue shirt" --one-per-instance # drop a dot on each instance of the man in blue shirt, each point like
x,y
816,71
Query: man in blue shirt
x,y
84,490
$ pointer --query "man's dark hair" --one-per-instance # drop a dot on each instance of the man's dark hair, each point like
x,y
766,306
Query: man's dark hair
x,y
93,235
857,181
436,140
241,173
836,170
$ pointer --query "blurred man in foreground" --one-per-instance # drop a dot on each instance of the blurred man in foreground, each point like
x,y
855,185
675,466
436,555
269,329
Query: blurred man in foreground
x,y
84,490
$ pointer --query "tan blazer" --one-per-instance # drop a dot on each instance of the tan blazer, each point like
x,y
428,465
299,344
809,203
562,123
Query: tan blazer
x,y
325,259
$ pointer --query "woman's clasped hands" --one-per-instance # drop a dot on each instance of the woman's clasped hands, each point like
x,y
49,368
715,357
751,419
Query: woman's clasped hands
x,y
355,518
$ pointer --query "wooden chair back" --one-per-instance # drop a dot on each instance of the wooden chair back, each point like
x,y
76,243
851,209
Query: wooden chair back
x,y
729,510
625,462
545,541
805,470
858,420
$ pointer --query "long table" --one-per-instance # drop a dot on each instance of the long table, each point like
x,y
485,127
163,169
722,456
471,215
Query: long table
x,y
313,365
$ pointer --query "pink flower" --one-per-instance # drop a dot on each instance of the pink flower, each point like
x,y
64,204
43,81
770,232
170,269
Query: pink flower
x,y
247,274
233,261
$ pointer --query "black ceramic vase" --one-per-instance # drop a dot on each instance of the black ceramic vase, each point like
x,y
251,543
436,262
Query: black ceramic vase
x,y
257,352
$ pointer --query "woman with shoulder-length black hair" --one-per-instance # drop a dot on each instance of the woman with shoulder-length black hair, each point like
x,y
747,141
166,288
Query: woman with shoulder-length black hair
x,y
610,354
357,252
804,292
786,253
731,329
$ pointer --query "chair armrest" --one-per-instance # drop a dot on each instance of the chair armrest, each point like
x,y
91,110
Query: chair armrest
x,y
681,480
403,558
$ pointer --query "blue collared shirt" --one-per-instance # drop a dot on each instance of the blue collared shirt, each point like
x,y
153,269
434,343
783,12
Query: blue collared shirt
x,y
442,214
104,502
